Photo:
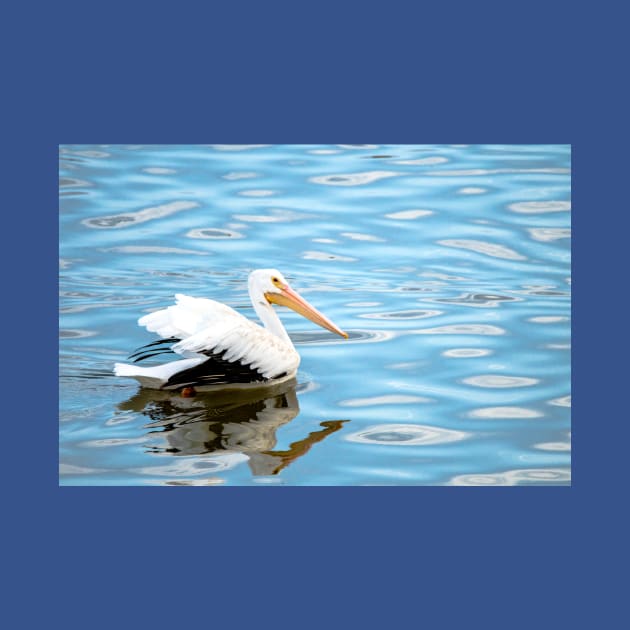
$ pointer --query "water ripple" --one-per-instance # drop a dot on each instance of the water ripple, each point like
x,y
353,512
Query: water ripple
x,y
481,247
213,233
73,469
363,304
462,329
545,291
189,467
564,401
357,236
472,172
412,314
548,319
65,182
274,216
237,147
388,399
496,413
126,219
546,235
540,207
72,193
466,353
408,215
324,152
427,161
152,249
406,435
442,276
358,146
554,446
91,154
353,179
405,365
235,176
256,193
159,170
107,442
526,476
515,477
321,337
482,300
75,334
208,481
500,381
314,255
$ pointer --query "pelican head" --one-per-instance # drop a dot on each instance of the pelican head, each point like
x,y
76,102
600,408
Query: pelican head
x,y
271,285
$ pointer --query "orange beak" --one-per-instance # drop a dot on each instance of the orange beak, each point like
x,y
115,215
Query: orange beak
x,y
288,297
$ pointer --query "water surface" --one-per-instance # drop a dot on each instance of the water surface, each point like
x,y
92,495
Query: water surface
x,y
448,265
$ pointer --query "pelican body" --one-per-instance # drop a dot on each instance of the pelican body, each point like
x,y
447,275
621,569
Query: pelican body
x,y
219,346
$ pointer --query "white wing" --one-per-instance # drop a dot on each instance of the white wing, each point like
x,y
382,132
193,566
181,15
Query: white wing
x,y
188,316
204,325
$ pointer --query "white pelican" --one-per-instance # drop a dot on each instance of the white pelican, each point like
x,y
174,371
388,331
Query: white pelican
x,y
221,347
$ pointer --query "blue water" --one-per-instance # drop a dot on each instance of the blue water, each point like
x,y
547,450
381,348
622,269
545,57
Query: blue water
x,y
448,265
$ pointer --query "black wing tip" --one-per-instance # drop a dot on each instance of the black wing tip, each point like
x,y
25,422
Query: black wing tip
x,y
217,371
151,349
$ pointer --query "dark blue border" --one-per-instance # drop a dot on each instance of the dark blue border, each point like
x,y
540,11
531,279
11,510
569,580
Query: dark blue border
x,y
277,71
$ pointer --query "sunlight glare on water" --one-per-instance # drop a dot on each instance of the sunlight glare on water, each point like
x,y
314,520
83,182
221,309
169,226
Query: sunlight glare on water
x,y
448,265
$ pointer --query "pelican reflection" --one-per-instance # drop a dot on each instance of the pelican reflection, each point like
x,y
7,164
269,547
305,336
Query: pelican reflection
x,y
243,421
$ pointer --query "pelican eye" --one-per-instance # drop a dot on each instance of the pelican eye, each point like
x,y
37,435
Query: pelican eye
x,y
276,281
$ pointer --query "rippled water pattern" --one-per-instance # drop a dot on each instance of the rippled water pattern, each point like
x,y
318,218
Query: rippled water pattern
x,y
448,265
